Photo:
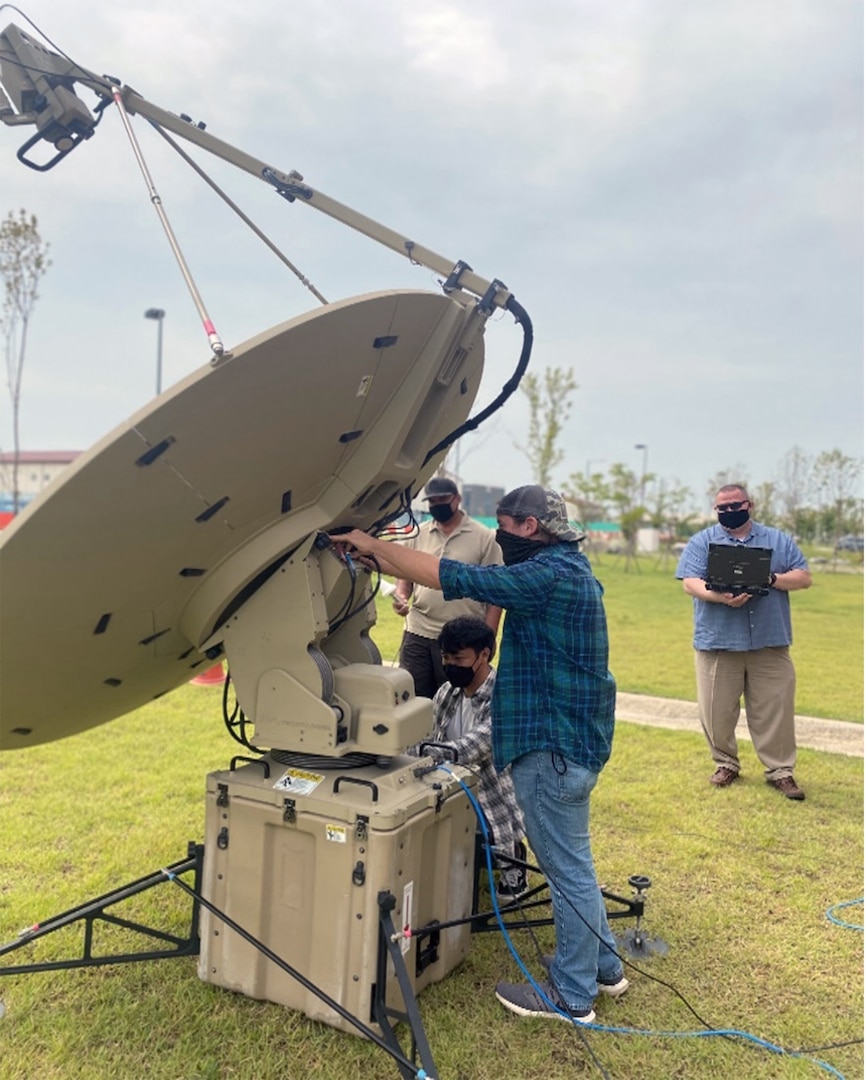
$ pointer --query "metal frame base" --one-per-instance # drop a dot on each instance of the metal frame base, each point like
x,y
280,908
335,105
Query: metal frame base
x,y
513,915
96,911
382,1014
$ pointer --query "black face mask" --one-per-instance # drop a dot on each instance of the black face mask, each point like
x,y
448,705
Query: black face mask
x,y
516,549
732,519
457,675
442,512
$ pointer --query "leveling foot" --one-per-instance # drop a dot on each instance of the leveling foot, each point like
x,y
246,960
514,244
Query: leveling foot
x,y
636,942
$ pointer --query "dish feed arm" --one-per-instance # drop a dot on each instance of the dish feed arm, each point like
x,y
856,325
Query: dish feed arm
x,y
40,87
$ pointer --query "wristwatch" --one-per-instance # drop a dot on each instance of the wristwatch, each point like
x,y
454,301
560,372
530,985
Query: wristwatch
x,y
772,579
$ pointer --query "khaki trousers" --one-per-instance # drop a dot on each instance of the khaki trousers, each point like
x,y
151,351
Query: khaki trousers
x,y
766,679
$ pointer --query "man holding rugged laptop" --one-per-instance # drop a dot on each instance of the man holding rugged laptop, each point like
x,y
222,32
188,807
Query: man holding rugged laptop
x,y
740,573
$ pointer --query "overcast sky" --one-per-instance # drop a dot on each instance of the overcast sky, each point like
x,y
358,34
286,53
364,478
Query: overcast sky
x,y
672,189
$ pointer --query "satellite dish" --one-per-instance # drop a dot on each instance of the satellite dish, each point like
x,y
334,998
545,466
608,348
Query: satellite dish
x,y
113,582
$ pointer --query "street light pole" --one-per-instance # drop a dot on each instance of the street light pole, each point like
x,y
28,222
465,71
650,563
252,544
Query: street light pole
x,y
158,314
645,449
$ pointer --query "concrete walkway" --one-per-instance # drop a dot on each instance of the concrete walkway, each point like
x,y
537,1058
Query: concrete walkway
x,y
833,736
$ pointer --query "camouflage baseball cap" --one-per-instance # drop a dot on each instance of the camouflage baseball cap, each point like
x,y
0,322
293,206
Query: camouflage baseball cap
x,y
545,505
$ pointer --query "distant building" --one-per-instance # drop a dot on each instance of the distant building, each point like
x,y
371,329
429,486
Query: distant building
x,y
36,470
481,501
603,535
648,540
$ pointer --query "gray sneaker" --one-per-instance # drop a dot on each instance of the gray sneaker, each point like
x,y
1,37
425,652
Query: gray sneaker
x,y
524,1000
613,990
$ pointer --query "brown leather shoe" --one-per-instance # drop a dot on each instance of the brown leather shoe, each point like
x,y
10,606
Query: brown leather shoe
x,y
788,788
723,777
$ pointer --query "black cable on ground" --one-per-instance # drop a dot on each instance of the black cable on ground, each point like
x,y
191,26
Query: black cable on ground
x,y
731,1034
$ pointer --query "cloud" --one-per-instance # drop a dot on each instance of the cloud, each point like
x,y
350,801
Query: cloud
x,y
673,191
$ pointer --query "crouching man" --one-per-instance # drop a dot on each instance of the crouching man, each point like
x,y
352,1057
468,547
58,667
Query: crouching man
x,y
463,728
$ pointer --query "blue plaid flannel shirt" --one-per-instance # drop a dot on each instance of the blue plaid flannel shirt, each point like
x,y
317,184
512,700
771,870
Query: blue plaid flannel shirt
x,y
553,690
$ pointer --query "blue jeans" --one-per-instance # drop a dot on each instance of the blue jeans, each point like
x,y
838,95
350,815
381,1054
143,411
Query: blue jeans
x,y
553,794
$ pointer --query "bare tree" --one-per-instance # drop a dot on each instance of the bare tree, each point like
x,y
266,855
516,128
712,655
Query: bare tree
x,y
549,408
793,489
733,474
23,261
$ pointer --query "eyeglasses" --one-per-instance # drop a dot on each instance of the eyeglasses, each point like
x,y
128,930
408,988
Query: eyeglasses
x,y
731,506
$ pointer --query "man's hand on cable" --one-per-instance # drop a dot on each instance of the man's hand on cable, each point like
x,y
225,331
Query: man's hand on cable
x,y
371,552
356,545
441,753
357,540
396,559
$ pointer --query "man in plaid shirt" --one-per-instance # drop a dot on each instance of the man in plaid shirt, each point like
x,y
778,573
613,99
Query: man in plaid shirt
x,y
553,716
463,728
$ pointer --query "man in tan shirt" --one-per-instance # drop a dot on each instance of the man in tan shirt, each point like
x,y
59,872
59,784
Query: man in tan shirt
x,y
451,534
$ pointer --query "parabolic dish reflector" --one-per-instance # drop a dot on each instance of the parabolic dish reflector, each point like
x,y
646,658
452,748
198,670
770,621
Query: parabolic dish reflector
x,y
112,582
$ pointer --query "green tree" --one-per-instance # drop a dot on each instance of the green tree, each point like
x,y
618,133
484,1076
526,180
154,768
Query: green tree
x,y
23,261
616,495
549,408
671,512
671,507
625,488
765,503
836,477
590,493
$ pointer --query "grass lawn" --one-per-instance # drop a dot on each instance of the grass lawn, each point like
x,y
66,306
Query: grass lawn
x,y
651,630
741,882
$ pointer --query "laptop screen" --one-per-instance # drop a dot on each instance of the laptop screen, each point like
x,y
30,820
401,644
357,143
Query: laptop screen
x,y
734,567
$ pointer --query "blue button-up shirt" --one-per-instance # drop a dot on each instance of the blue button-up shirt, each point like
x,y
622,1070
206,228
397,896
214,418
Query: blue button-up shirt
x,y
764,622
554,690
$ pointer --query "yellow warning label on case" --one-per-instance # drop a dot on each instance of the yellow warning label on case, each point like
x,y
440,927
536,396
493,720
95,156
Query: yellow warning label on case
x,y
298,782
